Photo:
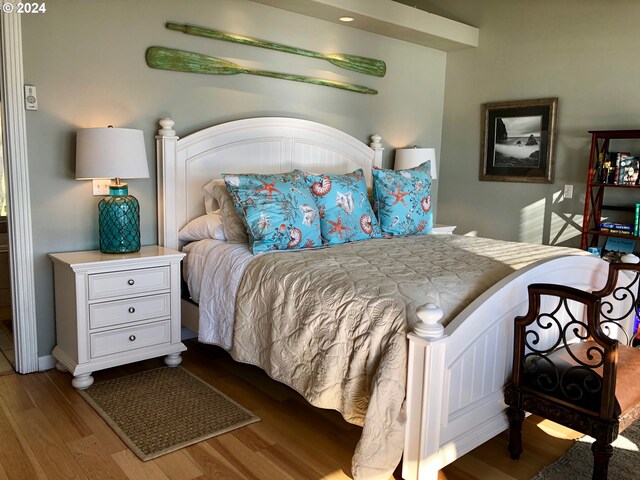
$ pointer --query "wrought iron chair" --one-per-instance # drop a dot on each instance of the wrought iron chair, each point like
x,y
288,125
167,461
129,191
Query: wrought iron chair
x,y
574,362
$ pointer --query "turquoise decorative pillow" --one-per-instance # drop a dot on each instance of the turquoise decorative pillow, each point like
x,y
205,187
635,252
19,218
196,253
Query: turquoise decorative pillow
x,y
343,204
403,199
278,210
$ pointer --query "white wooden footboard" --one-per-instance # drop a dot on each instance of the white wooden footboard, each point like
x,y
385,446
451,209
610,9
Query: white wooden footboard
x,y
456,375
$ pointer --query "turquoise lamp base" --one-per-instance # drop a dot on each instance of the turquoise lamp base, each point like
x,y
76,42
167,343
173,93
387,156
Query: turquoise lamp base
x,y
119,217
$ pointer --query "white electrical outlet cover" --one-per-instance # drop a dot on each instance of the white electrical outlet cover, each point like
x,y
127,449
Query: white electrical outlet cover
x,y
101,186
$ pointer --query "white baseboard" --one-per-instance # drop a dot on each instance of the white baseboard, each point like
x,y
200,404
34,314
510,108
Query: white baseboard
x,y
46,363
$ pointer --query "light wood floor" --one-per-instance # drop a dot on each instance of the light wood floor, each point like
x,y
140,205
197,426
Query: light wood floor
x,y
47,431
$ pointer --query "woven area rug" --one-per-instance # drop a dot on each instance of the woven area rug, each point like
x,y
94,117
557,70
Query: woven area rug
x,y
577,464
158,411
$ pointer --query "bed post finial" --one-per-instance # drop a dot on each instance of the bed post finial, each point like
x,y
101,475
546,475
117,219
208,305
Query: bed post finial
x,y
376,145
167,127
429,326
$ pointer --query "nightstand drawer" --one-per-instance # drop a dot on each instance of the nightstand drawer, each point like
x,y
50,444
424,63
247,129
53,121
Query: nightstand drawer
x,y
131,338
128,282
131,310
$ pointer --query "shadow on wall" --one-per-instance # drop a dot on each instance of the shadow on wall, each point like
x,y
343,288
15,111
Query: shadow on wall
x,y
551,221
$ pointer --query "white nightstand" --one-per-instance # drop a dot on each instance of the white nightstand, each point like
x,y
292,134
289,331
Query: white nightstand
x,y
442,229
113,309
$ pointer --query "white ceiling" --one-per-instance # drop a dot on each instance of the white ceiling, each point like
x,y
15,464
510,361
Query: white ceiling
x,y
388,18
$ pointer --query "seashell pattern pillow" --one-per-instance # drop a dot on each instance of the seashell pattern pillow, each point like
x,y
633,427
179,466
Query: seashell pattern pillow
x,y
344,208
278,210
403,200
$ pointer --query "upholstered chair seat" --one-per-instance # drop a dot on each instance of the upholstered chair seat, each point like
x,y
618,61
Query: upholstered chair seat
x,y
627,392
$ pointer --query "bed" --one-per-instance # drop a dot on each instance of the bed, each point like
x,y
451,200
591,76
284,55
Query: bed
x,y
447,392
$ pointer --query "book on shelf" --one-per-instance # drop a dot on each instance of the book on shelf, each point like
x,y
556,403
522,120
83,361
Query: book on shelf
x,y
616,247
622,228
607,173
599,168
611,172
619,244
628,173
617,232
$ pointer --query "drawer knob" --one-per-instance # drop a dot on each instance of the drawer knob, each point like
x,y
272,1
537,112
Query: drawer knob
x,y
132,338
132,310
131,281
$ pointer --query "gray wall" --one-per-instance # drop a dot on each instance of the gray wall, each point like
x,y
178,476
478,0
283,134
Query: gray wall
x,y
87,60
583,51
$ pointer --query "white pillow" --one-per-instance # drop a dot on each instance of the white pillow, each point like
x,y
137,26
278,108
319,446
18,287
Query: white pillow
x,y
206,226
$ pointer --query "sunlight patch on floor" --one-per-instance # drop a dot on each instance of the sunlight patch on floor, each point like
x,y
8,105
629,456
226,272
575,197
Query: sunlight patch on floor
x,y
337,475
624,443
557,431
621,443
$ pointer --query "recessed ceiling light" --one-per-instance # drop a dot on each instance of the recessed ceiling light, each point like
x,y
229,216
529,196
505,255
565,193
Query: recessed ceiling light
x,y
346,19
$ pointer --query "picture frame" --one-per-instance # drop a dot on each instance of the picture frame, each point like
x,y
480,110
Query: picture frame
x,y
518,141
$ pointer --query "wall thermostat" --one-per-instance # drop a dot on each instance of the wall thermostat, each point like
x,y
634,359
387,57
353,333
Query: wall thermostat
x,y
30,97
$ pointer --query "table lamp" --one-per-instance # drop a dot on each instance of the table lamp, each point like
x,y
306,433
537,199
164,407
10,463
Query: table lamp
x,y
114,153
407,158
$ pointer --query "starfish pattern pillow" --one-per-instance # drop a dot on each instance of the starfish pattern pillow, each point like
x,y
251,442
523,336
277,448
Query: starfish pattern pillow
x,y
403,199
344,208
278,210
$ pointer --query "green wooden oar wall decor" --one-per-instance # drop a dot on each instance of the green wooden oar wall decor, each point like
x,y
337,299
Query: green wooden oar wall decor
x,y
183,61
356,63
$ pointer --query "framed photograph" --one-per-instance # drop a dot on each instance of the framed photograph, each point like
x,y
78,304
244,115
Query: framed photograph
x,y
518,141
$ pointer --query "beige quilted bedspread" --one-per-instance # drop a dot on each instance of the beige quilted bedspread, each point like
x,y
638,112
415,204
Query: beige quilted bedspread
x,y
332,323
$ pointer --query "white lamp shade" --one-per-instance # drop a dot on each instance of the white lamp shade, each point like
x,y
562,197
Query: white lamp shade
x,y
407,158
110,153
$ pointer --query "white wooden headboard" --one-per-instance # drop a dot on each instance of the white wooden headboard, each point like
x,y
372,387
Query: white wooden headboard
x,y
253,145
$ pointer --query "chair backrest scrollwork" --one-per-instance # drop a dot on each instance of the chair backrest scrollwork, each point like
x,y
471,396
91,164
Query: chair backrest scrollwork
x,y
566,346
620,304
